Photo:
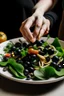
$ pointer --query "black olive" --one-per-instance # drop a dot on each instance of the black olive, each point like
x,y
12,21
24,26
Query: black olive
x,y
25,65
51,51
40,49
42,52
54,64
25,58
18,51
39,43
26,72
55,59
28,63
28,77
17,44
24,44
45,50
59,67
42,41
62,64
33,56
48,59
15,53
5,58
13,48
31,69
28,45
47,46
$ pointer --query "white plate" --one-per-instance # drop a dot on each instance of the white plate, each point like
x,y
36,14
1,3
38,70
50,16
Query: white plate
x,y
9,76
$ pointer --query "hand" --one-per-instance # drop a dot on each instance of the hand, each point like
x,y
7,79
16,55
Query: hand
x,y
42,26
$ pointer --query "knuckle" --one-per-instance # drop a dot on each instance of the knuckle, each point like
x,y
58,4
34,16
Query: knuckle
x,y
25,26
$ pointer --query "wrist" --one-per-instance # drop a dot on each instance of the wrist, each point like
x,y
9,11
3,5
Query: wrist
x,y
38,10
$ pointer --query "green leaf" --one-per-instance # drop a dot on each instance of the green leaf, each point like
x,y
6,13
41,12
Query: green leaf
x,y
48,72
3,63
60,51
56,42
52,72
8,47
24,52
17,66
15,73
44,44
39,74
35,47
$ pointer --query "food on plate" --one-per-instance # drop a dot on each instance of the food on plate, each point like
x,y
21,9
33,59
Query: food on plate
x,y
3,37
33,61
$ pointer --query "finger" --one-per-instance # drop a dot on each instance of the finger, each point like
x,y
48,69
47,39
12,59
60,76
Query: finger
x,y
23,33
42,31
25,29
47,31
22,26
37,27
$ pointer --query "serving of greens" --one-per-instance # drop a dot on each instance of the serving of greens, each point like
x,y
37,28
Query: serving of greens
x,y
33,61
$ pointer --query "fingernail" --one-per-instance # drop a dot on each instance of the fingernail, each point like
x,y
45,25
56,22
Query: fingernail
x,y
33,40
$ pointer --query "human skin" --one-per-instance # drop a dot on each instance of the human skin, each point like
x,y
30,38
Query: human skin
x,y
42,25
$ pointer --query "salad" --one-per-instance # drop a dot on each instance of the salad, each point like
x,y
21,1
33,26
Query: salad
x,y
33,61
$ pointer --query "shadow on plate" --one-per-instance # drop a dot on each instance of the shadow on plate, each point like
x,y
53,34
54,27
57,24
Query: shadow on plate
x,y
26,89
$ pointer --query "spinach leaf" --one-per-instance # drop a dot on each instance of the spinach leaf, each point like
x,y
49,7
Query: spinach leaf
x,y
56,42
60,51
3,63
24,52
8,47
14,66
48,72
17,66
38,74
15,73
52,72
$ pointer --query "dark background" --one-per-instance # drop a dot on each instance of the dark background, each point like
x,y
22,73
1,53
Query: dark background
x,y
11,18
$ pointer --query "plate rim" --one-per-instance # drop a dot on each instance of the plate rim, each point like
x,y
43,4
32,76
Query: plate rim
x,y
31,81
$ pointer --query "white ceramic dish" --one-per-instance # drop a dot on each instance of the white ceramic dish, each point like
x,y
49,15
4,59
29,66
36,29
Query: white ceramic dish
x,y
9,76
